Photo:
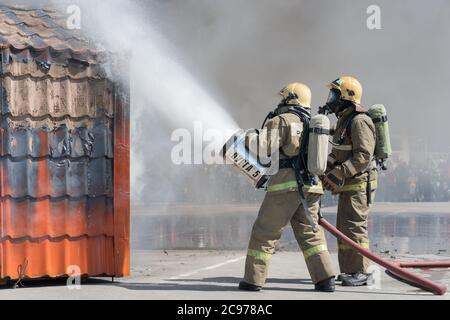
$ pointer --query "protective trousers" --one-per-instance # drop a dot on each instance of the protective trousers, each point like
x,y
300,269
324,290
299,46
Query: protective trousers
x,y
352,220
277,210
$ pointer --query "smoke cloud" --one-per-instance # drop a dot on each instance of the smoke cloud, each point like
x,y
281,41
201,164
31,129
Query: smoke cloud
x,y
216,61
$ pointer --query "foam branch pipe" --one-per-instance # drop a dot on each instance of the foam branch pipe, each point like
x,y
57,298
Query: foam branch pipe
x,y
396,269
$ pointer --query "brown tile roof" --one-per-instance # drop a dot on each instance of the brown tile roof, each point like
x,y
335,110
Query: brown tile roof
x,y
44,35
56,98
64,198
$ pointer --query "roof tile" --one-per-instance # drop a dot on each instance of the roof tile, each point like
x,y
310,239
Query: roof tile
x,y
41,30
49,218
56,97
93,255
56,178
71,69
59,203
93,139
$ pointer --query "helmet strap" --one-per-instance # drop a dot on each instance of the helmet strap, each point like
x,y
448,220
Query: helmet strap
x,y
291,96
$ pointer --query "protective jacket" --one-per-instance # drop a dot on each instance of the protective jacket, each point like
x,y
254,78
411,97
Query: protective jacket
x,y
286,132
353,150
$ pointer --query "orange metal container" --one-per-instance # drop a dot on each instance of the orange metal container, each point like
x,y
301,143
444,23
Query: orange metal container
x,y
65,152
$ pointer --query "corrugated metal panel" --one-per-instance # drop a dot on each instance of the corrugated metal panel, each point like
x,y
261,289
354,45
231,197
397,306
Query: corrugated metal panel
x,y
94,256
56,98
55,71
56,178
38,29
49,55
50,218
70,139
64,166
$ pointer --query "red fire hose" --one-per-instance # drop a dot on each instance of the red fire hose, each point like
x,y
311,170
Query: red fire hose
x,y
424,264
396,269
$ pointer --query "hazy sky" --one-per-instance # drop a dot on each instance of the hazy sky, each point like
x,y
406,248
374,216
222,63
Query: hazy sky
x,y
245,51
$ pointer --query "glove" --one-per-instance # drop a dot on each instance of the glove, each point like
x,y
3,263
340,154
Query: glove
x,y
333,180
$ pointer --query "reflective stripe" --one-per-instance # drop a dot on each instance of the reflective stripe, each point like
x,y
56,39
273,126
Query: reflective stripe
x,y
283,186
259,255
344,147
314,250
314,189
357,187
292,185
365,245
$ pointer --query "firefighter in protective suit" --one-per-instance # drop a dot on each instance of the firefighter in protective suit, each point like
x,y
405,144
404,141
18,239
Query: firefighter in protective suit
x,y
282,203
352,174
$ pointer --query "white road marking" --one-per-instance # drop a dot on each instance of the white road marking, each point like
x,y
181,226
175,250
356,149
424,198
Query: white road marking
x,y
216,266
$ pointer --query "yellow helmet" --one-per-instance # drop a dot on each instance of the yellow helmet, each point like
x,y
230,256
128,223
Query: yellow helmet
x,y
349,87
297,94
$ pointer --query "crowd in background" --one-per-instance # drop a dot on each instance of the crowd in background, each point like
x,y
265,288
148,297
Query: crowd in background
x,y
416,181
425,181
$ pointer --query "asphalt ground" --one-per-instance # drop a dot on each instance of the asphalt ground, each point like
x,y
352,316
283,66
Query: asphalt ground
x,y
214,275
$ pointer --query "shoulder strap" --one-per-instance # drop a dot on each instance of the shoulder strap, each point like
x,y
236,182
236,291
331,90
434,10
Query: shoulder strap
x,y
300,163
347,131
304,116
270,116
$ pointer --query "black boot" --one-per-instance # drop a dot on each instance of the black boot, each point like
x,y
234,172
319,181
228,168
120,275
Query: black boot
x,y
343,276
248,286
327,285
357,280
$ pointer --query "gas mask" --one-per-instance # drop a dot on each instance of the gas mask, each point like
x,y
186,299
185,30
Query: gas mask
x,y
334,103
